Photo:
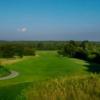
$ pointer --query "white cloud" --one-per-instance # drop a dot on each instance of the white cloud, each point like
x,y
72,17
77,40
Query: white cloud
x,y
23,29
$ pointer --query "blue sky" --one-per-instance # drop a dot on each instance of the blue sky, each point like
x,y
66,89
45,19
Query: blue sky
x,y
49,19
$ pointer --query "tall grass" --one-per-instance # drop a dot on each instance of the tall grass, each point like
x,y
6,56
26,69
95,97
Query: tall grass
x,y
74,88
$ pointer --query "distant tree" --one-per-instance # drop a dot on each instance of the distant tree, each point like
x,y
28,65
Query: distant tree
x,y
84,50
84,44
69,49
19,52
7,51
29,51
81,53
40,46
96,58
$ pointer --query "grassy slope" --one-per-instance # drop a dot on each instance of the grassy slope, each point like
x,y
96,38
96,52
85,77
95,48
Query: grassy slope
x,y
46,65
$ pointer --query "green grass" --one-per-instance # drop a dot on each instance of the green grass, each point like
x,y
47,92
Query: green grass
x,y
45,66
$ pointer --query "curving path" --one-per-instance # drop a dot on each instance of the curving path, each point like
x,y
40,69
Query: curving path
x,y
12,75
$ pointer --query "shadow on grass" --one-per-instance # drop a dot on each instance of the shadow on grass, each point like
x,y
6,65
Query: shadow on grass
x,y
93,68
13,91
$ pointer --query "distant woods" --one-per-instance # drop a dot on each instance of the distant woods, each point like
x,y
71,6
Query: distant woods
x,y
9,50
86,50
89,51
26,48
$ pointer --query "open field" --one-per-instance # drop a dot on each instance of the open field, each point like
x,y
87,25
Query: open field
x,y
46,65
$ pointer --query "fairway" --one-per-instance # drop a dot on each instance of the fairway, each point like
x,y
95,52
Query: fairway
x,y
45,65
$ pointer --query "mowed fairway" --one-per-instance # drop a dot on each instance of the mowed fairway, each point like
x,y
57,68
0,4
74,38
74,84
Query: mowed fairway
x,y
45,65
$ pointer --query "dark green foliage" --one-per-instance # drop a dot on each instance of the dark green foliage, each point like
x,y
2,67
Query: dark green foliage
x,y
71,48
96,58
39,45
84,50
4,71
7,51
19,51
28,51
12,50
80,53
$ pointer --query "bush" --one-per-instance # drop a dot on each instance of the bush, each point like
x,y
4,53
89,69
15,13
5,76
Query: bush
x,y
29,51
81,54
83,51
96,58
4,71
9,51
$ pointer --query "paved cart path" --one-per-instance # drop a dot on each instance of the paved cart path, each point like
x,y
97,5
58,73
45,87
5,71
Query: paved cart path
x,y
12,75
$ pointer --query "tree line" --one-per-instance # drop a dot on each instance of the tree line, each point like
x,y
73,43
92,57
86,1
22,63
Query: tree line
x,y
85,50
19,50
9,49
38,45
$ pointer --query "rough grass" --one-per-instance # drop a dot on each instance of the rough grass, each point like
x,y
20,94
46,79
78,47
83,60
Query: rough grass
x,y
6,61
73,88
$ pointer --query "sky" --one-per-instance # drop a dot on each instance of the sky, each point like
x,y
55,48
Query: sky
x,y
50,20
